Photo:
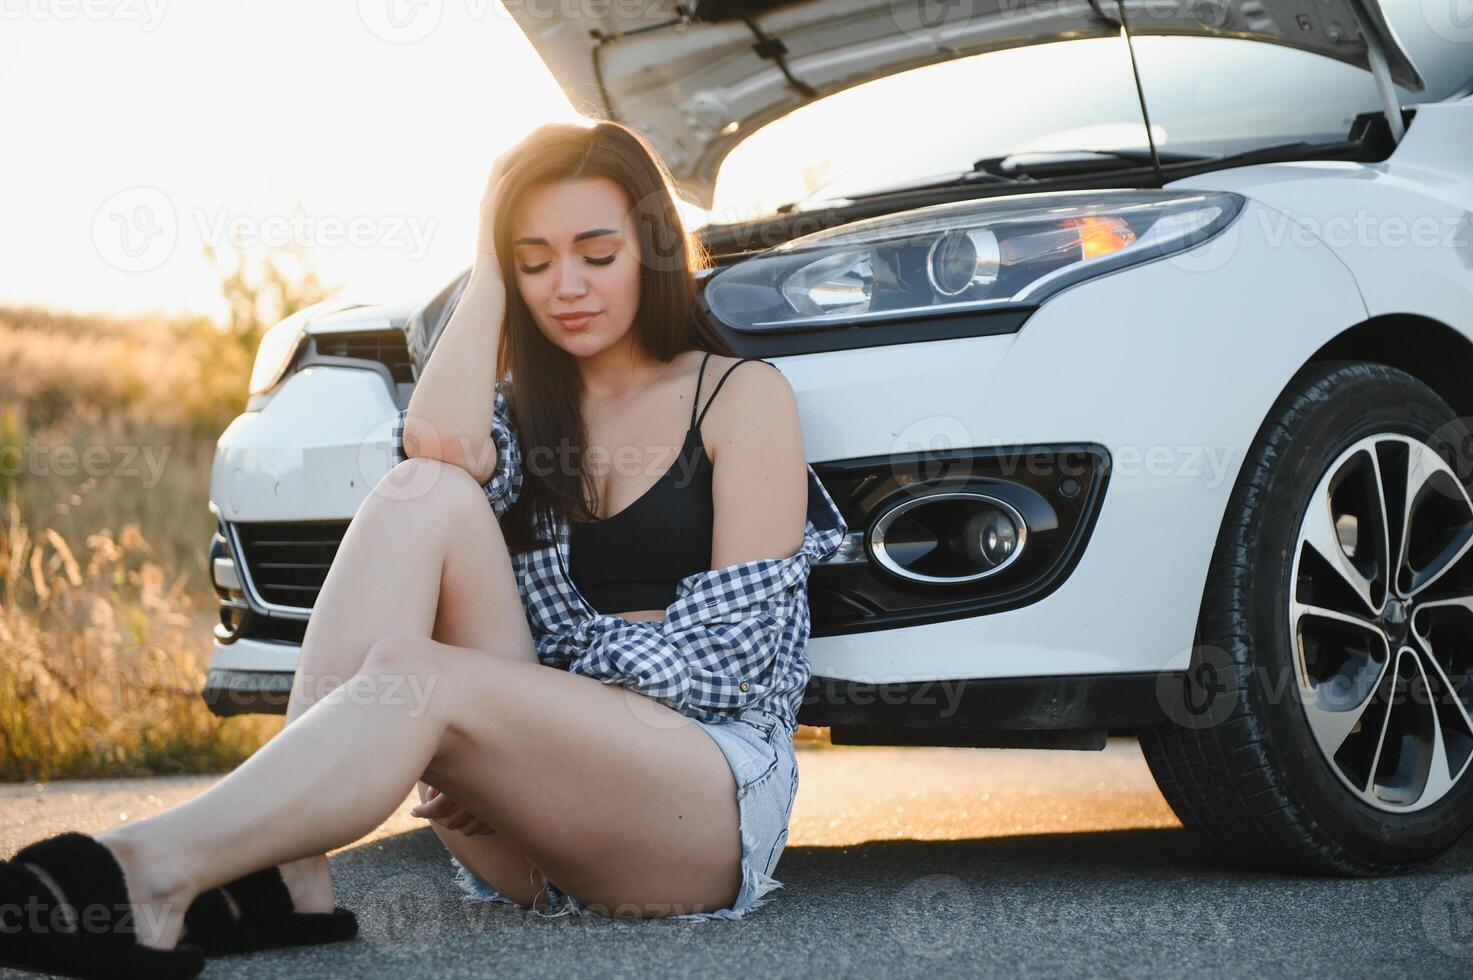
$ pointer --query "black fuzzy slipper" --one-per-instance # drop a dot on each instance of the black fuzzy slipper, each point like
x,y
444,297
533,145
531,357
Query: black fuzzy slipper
x,y
267,918
93,932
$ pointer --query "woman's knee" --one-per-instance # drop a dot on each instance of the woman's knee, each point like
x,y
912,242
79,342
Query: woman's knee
x,y
427,501
406,669
402,652
438,488
438,675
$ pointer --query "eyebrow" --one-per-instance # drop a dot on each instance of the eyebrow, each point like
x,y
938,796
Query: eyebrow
x,y
590,233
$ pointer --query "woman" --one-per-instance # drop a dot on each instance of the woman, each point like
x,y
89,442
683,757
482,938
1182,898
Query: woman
x,y
651,773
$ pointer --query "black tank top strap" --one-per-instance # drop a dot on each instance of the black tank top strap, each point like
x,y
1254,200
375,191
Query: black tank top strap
x,y
717,389
700,376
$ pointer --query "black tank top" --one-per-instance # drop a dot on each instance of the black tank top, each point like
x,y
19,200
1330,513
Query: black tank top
x,y
635,558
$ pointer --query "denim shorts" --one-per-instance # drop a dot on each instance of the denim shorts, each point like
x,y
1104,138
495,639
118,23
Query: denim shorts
x,y
758,746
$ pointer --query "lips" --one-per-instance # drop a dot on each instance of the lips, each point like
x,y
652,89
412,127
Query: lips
x,y
575,321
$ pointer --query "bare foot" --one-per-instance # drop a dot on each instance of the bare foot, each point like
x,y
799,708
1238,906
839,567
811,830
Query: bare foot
x,y
309,881
158,896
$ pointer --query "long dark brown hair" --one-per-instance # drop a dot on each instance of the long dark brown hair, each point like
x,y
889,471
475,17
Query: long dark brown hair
x,y
546,390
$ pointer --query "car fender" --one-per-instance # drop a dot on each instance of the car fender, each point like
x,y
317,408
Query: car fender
x,y
1403,226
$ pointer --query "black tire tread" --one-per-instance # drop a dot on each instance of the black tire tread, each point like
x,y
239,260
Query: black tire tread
x,y
1224,781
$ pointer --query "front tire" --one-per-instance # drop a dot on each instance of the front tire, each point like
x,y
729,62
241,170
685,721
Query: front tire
x,y
1326,724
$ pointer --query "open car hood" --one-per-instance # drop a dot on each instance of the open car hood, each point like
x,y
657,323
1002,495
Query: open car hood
x,y
696,78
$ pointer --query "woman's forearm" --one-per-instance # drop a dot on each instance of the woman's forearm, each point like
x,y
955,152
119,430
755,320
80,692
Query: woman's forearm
x,y
449,415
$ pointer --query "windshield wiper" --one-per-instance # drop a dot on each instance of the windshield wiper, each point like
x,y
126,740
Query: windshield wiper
x,y
1060,163
1048,167
1021,166
915,184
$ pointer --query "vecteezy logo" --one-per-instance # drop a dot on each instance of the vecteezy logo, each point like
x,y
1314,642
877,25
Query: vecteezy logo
x,y
1451,20
401,21
934,20
1208,13
135,230
934,916
1447,917
143,683
1205,694
403,915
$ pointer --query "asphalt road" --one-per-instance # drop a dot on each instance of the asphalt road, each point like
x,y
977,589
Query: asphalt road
x,y
901,862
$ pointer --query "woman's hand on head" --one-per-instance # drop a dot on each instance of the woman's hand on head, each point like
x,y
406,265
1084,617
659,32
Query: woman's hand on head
x,y
441,809
486,237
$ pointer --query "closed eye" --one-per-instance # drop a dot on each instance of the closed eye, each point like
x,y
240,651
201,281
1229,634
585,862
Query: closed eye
x,y
591,260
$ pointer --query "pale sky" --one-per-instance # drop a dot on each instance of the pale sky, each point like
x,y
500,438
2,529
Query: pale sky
x,y
228,109
226,114
123,117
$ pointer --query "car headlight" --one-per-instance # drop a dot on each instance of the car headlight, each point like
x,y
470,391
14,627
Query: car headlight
x,y
960,256
278,345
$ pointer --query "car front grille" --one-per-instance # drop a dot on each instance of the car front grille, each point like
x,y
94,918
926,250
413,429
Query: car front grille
x,y
387,347
288,562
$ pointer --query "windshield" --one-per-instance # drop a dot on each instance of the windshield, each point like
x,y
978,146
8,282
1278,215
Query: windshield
x,y
1205,95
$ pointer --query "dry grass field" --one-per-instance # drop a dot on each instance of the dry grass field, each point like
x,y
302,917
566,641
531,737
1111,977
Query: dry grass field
x,y
107,429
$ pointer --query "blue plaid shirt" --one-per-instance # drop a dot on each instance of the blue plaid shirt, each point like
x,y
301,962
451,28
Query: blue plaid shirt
x,y
734,638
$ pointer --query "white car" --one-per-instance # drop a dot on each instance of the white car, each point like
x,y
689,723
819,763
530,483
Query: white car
x,y
1139,430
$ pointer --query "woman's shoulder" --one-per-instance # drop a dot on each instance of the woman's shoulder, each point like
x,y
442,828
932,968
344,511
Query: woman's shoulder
x,y
737,381
752,380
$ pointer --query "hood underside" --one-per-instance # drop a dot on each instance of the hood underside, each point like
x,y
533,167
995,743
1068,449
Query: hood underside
x,y
697,78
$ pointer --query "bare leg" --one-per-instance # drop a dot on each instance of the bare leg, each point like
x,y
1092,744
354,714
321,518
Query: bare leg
x,y
647,818
646,802
431,563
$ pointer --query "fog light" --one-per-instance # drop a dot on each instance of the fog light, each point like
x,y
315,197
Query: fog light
x,y
991,537
948,537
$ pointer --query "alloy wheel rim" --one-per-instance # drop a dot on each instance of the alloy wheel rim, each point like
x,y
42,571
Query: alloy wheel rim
x,y
1381,622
